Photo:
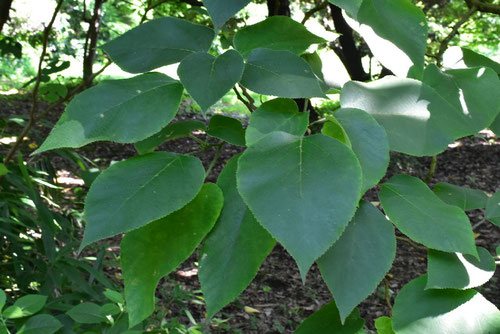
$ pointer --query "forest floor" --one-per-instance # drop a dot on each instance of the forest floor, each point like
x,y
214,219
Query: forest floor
x,y
278,299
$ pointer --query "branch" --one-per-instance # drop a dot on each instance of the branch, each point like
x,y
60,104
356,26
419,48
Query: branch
x,y
307,15
247,104
483,6
34,106
454,31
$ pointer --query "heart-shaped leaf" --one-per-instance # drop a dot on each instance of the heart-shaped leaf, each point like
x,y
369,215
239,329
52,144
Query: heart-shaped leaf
x,y
276,115
112,109
369,141
327,321
207,78
361,258
280,73
303,190
221,10
234,250
228,129
153,251
420,214
137,191
275,33
157,43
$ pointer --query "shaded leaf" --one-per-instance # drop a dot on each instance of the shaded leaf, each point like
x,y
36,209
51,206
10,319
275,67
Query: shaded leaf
x,y
360,258
234,250
421,215
228,129
493,209
159,42
463,197
87,313
207,79
327,321
40,323
221,10
276,115
457,57
170,132
112,109
137,191
280,73
275,33
153,251
369,142
302,190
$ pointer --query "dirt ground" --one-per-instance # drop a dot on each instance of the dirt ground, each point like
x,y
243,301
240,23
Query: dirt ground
x,y
277,294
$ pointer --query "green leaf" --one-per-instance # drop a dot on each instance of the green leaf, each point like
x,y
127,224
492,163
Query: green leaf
x,y
157,43
137,191
41,323
332,128
327,321
463,197
110,309
113,109
53,92
420,311
457,57
114,296
417,120
25,306
221,10
3,169
3,299
420,214
360,258
276,115
369,142
379,22
275,33
302,190
87,313
170,132
234,250
207,79
149,253
472,92
493,209
495,126
384,325
227,128
458,271
280,73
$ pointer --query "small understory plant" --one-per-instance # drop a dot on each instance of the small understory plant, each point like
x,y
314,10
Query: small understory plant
x,y
292,185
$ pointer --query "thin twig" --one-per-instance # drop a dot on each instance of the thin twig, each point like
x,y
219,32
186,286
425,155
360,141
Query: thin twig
x,y
387,295
150,7
411,242
247,104
432,169
217,155
312,11
454,31
248,96
34,105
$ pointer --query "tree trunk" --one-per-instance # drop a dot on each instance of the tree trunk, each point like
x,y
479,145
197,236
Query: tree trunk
x,y
91,42
348,52
5,6
278,7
